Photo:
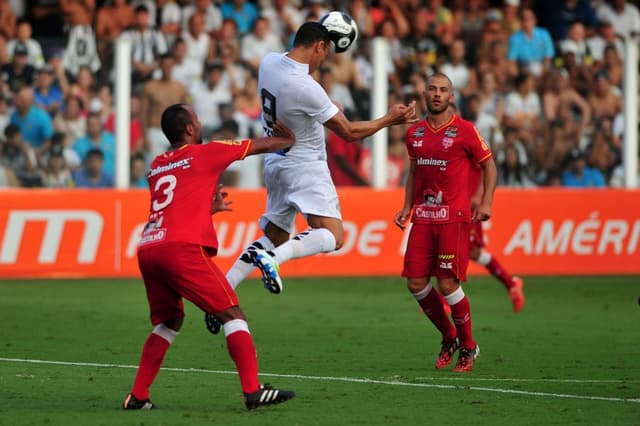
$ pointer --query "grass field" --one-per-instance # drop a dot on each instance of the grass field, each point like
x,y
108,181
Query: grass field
x,y
357,352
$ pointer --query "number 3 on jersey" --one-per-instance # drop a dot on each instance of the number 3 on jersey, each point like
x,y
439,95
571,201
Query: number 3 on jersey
x,y
166,184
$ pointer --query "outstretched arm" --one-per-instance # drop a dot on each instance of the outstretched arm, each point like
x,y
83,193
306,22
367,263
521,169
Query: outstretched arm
x,y
282,138
356,130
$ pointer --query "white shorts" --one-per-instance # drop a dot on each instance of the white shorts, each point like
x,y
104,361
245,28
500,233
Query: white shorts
x,y
298,187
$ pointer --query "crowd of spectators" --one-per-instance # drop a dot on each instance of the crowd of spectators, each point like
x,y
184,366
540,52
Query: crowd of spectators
x,y
541,80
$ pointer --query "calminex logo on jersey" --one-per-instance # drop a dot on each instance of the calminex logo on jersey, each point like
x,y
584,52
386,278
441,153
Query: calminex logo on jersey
x,y
431,162
180,164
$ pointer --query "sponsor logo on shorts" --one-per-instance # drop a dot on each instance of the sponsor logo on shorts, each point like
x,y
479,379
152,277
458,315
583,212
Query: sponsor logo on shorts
x,y
446,256
446,265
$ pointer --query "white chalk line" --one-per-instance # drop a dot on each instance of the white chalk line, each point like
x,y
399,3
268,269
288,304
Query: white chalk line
x,y
358,380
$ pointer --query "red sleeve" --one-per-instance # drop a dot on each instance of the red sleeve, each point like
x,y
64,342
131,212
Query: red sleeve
x,y
227,151
478,149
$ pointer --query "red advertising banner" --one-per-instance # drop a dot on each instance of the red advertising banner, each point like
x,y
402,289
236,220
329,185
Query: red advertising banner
x,y
93,233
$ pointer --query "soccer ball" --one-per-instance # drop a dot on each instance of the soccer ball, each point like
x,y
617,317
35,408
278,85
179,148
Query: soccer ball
x,y
342,29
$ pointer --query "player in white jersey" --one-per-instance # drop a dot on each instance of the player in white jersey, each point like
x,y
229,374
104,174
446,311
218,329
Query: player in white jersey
x,y
298,178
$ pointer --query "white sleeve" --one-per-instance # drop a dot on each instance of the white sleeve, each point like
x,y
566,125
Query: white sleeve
x,y
315,102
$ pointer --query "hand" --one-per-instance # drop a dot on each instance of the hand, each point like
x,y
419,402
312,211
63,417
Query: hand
x,y
475,202
482,212
401,218
282,131
401,114
220,203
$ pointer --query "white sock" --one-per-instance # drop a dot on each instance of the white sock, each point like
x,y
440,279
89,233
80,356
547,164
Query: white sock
x,y
307,243
165,332
484,258
455,297
234,326
243,266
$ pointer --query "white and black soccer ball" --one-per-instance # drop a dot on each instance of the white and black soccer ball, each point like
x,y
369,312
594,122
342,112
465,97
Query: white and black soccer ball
x,y
342,28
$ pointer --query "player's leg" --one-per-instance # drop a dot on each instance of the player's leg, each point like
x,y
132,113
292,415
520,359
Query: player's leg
x,y
514,285
418,266
207,287
451,269
166,315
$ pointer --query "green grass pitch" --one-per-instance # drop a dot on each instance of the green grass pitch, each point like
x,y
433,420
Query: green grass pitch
x,y
357,351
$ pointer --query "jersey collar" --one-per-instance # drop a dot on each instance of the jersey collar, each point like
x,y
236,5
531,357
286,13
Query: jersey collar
x,y
303,68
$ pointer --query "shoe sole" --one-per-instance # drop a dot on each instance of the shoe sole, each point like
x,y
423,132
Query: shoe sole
x,y
271,282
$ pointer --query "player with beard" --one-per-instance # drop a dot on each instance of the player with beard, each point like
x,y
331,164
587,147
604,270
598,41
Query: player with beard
x,y
443,150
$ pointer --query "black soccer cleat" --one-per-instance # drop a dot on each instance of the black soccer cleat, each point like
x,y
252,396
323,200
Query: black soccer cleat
x,y
133,403
266,395
213,323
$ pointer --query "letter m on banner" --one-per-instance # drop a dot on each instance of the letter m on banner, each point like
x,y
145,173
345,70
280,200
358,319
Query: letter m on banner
x,y
55,221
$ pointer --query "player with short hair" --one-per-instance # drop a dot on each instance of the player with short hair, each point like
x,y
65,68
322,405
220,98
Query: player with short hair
x,y
297,178
443,150
177,246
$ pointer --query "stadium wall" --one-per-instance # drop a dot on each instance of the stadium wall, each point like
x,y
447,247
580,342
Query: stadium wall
x,y
93,233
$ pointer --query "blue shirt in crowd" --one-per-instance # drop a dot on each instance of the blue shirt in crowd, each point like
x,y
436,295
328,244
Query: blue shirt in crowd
x,y
525,50
36,126
107,145
82,180
590,178
54,95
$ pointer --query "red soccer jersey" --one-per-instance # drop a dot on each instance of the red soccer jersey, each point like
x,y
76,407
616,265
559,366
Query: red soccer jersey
x,y
444,158
183,184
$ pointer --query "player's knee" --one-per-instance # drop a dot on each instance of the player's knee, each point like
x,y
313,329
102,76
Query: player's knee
x,y
230,314
174,324
448,286
416,285
474,253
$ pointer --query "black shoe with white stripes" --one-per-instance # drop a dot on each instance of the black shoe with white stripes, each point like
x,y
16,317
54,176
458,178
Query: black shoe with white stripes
x,y
266,395
133,403
213,323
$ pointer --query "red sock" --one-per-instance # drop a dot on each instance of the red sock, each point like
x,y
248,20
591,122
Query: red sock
x,y
243,353
500,273
152,355
461,314
433,307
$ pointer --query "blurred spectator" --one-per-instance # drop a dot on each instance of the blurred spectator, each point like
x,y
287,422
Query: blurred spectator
x,y
112,19
138,173
492,32
82,49
491,102
92,175
617,179
511,172
496,62
71,122
56,174
97,138
343,159
241,11
169,20
284,18
314,8
34,122
19,157
604,37
151,6
578,174
523,110
82,87
234,74
469,20
462,76
156,96
562,14
612,65
228,34
426,56
147,44
61,141
552,153
576,44
5,113
359,11
601,154
531,48
397,62
7,21
46,95
623,15
486,123
260,41
7,177
211,14
18,73
559,91
184,71
200,48
248,105
207,96
136,135
23,38
604,100
511,21
46,19
338,93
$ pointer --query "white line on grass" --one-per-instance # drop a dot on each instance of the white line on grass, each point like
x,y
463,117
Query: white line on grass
x,y
337,379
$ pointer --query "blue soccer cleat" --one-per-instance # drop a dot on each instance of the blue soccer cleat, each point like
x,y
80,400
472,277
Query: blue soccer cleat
x,y
269,268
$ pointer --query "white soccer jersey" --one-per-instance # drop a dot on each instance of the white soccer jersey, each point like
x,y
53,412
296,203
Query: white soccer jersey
x,y
291,96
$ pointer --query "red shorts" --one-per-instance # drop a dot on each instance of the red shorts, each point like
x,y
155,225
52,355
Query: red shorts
x,y
172,271
440,250
477,235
